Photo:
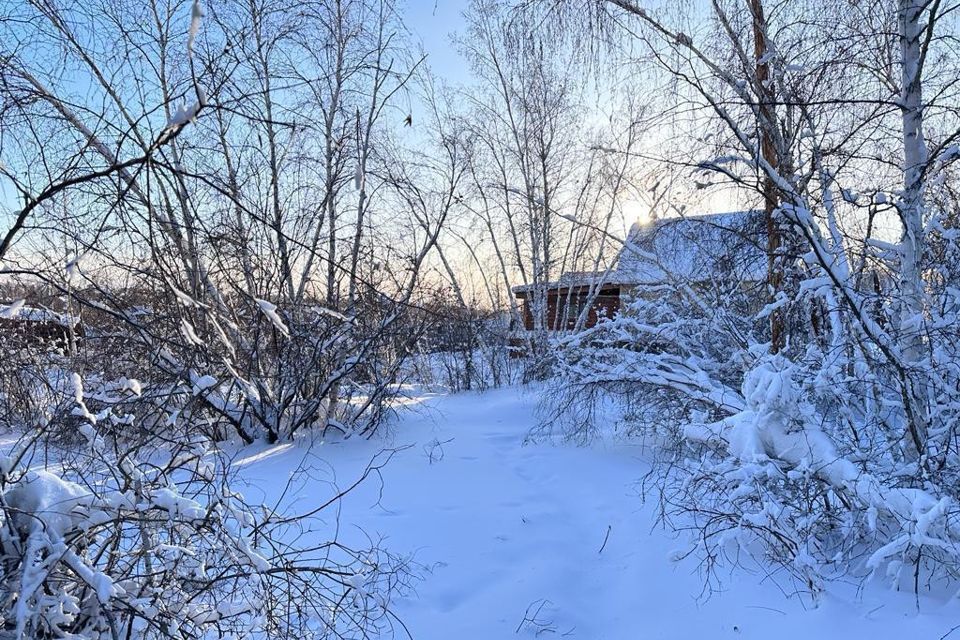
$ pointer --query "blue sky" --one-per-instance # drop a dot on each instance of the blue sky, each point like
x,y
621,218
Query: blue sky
x,y
432,22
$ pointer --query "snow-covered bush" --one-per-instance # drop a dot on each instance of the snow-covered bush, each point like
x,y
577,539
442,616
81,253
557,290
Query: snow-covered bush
x,y
119,515
804,456
151,542
799,461
280,254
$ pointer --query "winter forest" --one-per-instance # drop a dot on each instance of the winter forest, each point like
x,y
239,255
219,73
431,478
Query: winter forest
x,y
598,319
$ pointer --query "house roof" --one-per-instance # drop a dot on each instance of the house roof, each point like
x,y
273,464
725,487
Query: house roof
x,y
574,279
695,248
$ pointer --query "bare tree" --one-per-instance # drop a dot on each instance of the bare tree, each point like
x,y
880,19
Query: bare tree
x,y
544,186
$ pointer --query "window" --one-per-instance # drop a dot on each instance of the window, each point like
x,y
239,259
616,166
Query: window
x,y
574,306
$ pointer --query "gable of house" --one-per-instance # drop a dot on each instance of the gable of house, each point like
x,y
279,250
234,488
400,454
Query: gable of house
x,y
695,249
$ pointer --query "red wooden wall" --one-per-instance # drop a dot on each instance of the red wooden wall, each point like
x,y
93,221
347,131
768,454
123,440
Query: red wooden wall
x,y
605,304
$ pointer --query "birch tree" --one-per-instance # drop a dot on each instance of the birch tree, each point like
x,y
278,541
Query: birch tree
x,y
543,186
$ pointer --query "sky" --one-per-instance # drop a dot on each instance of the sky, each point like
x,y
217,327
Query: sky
x,y
432,23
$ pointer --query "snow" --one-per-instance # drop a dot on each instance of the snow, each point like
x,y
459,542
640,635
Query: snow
x,y
11,310
76,382
202,383
48,504
169,500
510,536
189,332
130,384
196,14
573,279
18,310
183,298
694,248
270,310
184,114
321,310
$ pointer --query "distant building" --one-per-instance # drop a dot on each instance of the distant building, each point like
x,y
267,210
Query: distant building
x,y
693,250
35,326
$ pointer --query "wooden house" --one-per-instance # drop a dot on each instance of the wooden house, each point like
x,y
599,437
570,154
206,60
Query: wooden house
x,y
692,250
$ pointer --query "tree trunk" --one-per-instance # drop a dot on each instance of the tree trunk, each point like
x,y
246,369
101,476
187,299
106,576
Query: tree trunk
x,y
771,199
910,207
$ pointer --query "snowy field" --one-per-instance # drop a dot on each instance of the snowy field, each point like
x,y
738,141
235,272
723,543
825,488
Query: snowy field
x,y
509,532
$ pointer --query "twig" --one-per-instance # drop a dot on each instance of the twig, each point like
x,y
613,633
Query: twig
x,y
605,538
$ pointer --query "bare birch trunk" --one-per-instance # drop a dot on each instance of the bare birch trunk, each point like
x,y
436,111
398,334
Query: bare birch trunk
x,y
911,207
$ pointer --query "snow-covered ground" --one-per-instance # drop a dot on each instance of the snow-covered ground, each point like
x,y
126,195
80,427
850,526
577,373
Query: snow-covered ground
x,y
510,532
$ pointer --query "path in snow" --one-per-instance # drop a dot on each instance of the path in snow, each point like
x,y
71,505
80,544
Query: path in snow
x,y
506,526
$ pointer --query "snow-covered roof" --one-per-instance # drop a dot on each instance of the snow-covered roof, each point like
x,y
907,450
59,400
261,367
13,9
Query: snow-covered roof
x,y
574,279
695,249
19,311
